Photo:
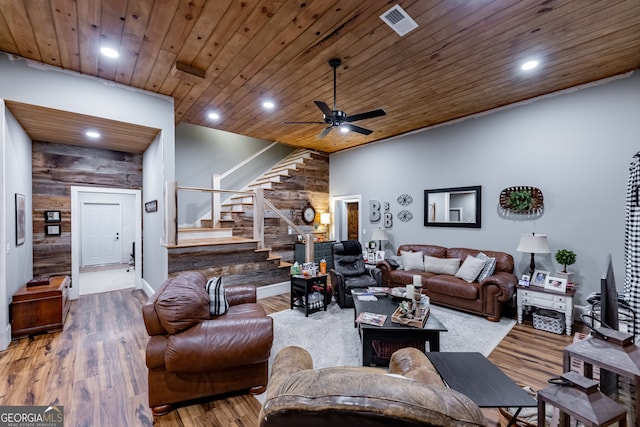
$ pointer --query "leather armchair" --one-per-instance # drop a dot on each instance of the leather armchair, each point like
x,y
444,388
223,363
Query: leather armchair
x,y
349,271
191,354
412,396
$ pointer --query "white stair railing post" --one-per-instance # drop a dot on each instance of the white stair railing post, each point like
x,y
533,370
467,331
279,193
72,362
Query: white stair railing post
x,y
171,212
258,217
215,200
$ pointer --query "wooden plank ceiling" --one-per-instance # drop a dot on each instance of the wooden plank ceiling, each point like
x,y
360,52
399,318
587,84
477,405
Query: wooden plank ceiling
x,y
463,58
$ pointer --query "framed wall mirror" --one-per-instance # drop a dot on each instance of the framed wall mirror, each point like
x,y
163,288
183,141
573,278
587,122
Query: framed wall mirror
x,y
453,207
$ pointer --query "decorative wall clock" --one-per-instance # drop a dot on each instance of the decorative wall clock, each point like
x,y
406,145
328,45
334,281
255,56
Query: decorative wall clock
x,y
405,199
308,214
405,216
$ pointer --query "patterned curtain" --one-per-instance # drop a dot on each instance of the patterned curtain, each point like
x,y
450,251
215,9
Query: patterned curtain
x,y
632,236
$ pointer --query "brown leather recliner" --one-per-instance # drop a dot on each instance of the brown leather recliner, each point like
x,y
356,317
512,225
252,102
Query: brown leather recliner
x,y
414,395
192,355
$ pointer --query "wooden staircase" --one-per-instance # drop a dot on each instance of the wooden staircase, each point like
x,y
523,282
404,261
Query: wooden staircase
x,y
222,249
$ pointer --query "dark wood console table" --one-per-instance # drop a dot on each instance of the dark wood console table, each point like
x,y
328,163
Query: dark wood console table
x,y
42,308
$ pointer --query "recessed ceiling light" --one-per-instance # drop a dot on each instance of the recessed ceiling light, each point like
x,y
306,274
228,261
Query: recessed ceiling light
x,y
214,116
344,129
92,134
268,105
109,52
530,65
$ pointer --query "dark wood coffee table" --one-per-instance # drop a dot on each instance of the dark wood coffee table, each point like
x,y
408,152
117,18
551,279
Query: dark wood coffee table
x,y
391,336
476,377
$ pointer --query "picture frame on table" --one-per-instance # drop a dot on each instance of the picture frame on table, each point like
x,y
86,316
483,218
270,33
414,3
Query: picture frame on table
x,y
555,284
539,278
525,280
379,256
371,258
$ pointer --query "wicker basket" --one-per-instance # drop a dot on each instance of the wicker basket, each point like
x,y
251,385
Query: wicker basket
x,y
505,417
384,349
548,320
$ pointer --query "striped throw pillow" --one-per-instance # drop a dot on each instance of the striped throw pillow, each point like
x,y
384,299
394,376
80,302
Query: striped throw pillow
x,y
218,303
489,266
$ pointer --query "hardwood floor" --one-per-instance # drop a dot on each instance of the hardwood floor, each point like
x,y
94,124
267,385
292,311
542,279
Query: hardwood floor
x,y
96,368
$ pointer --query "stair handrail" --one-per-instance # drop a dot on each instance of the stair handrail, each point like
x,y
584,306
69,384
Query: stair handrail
x,y
172,188
247,160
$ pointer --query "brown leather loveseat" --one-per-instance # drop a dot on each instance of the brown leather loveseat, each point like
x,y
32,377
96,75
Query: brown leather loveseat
x,y
486,297
192,355
413,395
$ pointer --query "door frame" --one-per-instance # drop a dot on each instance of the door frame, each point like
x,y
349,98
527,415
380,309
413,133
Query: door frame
x,y
338,204
76,215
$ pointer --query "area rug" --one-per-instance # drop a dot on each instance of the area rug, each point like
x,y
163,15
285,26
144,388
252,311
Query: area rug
x,y
332,340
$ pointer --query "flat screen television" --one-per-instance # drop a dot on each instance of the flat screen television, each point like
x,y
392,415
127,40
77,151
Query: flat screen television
x,y
609,296
608,315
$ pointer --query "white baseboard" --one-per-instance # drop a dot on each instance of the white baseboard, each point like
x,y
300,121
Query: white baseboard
x,y
5,338
146,287
273,290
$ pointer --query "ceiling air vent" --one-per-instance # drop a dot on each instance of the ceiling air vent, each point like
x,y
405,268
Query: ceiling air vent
x,y
399,20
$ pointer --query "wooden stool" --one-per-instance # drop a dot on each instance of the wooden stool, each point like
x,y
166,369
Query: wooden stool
x,y
583,401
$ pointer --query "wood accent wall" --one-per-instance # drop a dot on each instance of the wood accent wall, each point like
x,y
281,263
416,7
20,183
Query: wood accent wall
x,y
308,183
58,167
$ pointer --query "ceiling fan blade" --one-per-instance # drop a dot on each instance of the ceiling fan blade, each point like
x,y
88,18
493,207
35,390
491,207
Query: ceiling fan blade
x,y
304,123
324,107
367,115
325,132
359,129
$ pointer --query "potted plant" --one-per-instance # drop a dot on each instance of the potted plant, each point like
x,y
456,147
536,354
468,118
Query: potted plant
x,y
565,257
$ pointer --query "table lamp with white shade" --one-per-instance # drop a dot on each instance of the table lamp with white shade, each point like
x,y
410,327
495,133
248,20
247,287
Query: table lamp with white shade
x,y
379,234
534,244
325,220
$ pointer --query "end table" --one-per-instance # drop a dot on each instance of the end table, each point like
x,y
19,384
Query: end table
x,y
302,286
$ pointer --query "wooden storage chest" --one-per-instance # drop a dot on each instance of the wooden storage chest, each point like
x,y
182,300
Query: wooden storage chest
x,y
43,308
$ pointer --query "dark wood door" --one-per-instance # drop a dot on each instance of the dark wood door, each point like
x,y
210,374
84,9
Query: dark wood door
x,y
352,220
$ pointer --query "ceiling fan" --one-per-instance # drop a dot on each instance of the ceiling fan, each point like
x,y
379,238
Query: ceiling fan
x,y
338,118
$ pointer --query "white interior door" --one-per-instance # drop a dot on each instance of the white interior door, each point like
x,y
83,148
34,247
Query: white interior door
x,y
101,233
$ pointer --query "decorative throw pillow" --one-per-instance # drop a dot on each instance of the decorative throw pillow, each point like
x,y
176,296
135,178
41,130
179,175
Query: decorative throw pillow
x,y
489,266
412,260
441,265
218,303
398,260
470,269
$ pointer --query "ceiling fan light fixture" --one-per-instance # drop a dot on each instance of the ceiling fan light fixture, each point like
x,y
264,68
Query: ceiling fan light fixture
x,y
109,52
344,129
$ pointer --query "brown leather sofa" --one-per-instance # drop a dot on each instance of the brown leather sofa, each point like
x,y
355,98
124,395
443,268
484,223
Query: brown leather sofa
x,y
192,355
486,298
413,395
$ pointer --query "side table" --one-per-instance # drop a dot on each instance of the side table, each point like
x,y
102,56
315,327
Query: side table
x,y
537,296
302,286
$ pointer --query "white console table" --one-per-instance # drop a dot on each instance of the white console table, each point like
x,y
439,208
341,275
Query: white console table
x,y
537,296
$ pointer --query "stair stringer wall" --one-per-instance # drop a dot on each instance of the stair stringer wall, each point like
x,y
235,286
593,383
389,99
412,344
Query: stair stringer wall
x,y
308,183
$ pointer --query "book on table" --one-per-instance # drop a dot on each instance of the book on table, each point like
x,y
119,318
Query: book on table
x,y
371,318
